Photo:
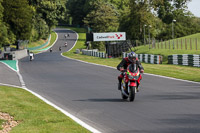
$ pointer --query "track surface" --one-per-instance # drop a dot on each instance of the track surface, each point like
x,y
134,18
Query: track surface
x,y
8,76
90,93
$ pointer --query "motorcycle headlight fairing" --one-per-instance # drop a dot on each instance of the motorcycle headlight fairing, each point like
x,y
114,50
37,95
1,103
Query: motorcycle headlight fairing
x,y
133,77
130,76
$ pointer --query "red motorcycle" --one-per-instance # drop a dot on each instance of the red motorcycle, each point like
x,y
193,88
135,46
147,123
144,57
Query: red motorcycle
x,y
130,82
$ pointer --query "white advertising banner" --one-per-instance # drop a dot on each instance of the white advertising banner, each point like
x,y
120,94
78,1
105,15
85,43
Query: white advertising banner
x,y
112,36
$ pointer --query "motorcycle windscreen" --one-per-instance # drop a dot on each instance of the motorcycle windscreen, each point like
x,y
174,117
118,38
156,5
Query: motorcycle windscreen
x,y
133,68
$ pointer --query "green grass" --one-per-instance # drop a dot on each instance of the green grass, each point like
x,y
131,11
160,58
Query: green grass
x,y
191,42
37,43
53,38
1,123
177,50
176,71
163,52
34,115
42,41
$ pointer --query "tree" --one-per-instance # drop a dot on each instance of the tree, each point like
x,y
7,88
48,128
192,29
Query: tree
x,y
51,11
18,15
45,16
4,30
139,15
103,18
76,10
167,8
40,28
120,4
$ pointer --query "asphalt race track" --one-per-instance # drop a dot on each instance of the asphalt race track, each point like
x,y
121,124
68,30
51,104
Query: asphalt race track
x,y
90,93
8,76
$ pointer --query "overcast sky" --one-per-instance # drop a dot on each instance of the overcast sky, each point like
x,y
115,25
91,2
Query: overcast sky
x,y
194,7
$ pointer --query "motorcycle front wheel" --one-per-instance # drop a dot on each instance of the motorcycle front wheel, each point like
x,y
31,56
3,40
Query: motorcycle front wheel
x,y
122,88
132,93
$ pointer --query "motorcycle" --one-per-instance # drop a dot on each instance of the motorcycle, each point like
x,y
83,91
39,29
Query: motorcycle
x,y
130,82
31,56
65,44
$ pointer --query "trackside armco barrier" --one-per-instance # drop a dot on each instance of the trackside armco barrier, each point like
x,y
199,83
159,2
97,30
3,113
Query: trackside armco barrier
x,y
147,58
94,53
185,59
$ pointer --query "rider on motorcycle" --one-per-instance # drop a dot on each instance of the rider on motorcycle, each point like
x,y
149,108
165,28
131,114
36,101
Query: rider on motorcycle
x,y
31,54
65,44
124,64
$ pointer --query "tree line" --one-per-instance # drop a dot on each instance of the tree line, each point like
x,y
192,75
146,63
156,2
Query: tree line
x,y
28,19
34,19
134,17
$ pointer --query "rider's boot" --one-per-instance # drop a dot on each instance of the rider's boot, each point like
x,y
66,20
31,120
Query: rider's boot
x,y
137,88
119,84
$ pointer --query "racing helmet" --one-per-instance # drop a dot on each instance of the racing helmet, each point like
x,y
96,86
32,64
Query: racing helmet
x,y
132,56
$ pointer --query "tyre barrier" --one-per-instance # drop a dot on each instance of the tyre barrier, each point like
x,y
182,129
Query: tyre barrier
x,y
94,53
185,59
147,58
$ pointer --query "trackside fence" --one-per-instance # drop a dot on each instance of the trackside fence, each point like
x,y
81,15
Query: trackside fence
x,y
176,44
185,59
94,53
147,58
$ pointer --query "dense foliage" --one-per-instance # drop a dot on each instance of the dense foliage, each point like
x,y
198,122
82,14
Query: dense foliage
x,y
135,16
34,19
28,19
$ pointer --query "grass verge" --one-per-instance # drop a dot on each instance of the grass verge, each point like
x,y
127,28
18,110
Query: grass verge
x,y
34,115
38,43
175,71
1,123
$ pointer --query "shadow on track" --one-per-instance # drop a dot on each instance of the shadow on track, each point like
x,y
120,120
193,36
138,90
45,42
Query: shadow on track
x,y
102,100
177,96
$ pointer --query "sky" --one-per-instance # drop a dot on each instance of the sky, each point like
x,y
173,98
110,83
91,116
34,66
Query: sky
x,y
194,7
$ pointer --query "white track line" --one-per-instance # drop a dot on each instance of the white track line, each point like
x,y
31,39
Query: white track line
x,y
65,112
9,66
58,108
2,84
83,124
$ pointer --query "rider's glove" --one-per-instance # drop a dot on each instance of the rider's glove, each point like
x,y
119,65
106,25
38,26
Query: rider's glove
x,y
123,70
141,71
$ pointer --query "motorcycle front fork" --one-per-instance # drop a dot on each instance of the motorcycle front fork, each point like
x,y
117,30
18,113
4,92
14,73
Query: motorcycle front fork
x,y
127,88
